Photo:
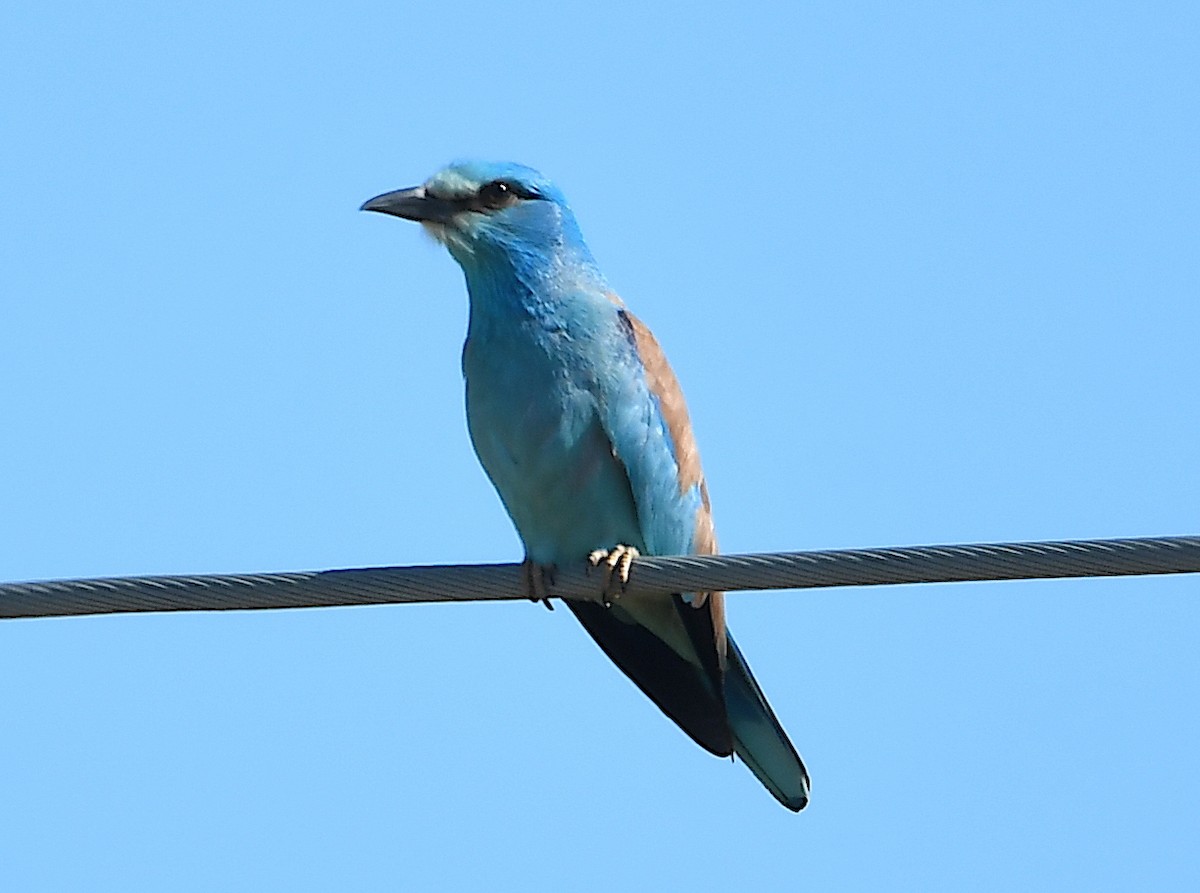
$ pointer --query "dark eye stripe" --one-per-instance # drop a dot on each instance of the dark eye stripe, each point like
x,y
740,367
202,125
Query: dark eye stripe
x,y
496,194
502,193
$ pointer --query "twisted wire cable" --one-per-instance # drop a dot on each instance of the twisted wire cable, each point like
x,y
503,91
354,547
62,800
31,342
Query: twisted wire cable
x,y
696,573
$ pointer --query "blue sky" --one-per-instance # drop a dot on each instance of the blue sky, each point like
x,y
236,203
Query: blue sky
x,y
928,273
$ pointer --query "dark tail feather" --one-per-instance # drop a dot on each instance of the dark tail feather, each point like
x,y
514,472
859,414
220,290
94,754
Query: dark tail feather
x,y
759,739
681,690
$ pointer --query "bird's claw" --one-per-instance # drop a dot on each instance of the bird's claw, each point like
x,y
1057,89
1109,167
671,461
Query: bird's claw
x,y
537,579
617,561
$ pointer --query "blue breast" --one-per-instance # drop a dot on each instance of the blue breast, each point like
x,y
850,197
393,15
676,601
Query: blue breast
x,y
565,426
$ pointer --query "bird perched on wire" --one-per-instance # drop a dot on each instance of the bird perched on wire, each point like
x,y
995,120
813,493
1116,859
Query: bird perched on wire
x,y
580,423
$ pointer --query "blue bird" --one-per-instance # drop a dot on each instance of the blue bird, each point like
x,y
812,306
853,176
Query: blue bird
x,y
580,423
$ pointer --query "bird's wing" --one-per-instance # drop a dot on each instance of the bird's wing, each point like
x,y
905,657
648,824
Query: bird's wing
x,y
646,419
673,650
672,503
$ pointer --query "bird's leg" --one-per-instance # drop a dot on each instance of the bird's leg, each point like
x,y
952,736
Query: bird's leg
x,y
617,560
537,579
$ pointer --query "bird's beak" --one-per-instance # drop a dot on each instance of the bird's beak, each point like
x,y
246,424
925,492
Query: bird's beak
x,y
412,204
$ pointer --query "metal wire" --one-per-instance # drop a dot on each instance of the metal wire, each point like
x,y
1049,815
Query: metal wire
x,y
484,582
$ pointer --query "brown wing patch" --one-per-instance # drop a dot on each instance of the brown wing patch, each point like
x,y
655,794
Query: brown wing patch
x,y
665,386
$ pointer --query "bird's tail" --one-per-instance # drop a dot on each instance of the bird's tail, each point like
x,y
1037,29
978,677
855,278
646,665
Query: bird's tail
x,y
758,737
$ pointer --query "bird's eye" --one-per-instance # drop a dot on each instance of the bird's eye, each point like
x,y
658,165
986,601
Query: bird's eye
x,y
497,194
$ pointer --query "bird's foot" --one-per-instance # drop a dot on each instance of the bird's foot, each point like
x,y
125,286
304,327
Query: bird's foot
x,y
538,578
617,561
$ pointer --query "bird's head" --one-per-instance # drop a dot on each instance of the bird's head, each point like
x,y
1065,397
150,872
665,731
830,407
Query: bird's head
x,y
490,213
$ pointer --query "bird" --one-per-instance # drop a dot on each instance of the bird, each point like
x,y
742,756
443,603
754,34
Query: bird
x,y
581,426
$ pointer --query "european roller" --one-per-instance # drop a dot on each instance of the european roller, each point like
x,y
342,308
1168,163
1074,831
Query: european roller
x,y
581,426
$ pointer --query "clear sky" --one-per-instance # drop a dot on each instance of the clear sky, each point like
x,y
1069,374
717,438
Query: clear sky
x,y
928,273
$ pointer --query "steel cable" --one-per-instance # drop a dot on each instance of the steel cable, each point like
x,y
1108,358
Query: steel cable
x,y
485,582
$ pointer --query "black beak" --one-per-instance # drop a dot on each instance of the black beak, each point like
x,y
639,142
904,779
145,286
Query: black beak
x,y
412,204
